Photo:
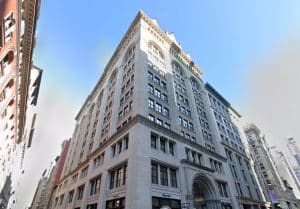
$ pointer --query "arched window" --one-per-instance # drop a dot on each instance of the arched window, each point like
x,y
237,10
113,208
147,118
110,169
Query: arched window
x,y
156,50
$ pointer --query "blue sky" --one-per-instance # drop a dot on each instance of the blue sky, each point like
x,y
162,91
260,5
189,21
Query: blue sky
x,y
75,39
230,40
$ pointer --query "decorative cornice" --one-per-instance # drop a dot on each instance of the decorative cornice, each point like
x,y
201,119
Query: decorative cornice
x,y
122,45
144,121
32,8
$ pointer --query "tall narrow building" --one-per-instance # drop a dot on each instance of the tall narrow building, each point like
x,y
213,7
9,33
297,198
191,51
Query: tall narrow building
x,y
272,171
18,20
152,134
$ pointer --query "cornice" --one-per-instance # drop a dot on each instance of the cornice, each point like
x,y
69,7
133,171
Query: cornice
x,y
122,46
139,119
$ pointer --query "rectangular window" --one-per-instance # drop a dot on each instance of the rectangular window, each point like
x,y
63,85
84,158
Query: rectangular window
x,y
150,88
157,93
95,185
92,206
154,173
118,177
150,75
223,189
163,144
71,194
159,121
166,112
171,148
158,107
80,191
153,141
163,175
151,103
173,177
164,97
151,118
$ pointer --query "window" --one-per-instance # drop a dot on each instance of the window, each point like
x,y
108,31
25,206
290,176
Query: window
x,y
151,103
118,176
61,199
158,107
150,88
173,177
166,112
163,144
164,97
163,84
156,80
115,204
158,203
154,173
95,185
223,189
113,150
167,125
151,118
163,175
153,141
92,206
171,148
98,160
150,75
157,93
80,191
84,171
159,121
71,194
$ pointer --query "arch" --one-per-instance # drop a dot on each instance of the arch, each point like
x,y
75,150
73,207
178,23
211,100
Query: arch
x,y
177,67
204,193
154,47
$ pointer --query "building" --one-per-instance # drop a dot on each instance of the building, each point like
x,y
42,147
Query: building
x,y
148,136
271,171
48,183
5,193
294,156
17,40
38,195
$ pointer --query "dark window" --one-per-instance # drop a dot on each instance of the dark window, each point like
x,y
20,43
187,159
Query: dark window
x,y
80,191
158,202
95,185
173,177
92,206
163,175
115,204
171,148
163,144
154,173
153,141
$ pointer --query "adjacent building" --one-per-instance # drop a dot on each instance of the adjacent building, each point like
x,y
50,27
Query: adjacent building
x,y
17,40
152,134
294,156
48,183
272,171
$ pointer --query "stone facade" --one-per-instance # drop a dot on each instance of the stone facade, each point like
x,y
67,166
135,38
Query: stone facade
x,y
153,134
